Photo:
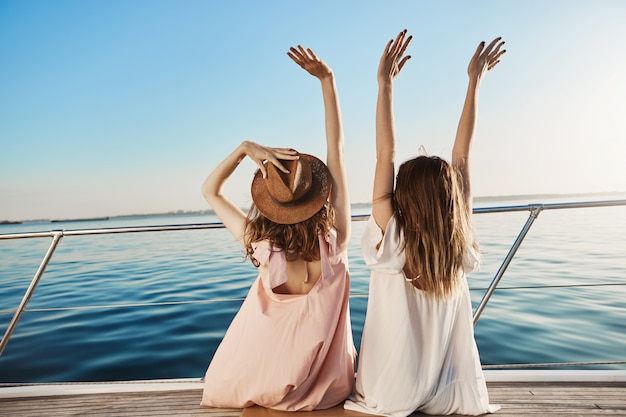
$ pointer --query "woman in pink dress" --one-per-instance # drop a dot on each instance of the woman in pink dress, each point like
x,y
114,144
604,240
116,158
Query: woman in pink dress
x,y
290,345
418,351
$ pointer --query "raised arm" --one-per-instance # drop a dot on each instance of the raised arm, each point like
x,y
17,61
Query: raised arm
x,y
391,63
212,188
483,60
340,197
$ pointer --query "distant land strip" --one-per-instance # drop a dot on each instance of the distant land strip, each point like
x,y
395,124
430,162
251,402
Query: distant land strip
x,y
481,199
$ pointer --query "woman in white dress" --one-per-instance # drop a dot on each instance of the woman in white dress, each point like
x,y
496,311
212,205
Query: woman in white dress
x,y
418,351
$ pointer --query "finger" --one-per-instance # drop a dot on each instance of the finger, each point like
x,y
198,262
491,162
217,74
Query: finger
x,y
294,58
285,153
500,54
398,41
496,59
492,65
277,164
286,150
300,54
391,49
492,44
401,64
295,55
303,53
312,54
262,168
496,52
306,56
405,45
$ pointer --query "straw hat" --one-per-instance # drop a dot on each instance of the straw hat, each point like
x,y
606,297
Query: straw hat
x,y
293,197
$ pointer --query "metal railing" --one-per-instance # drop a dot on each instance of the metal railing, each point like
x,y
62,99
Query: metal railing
x,y
533,209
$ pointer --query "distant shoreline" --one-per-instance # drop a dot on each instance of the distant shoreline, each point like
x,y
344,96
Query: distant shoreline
x,y
86,219
480,199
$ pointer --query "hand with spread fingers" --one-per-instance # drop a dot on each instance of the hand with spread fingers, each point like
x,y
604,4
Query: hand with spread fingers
x,y
485,59
392,60
307,59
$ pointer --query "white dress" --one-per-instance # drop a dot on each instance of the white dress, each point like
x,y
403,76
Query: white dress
x,y
418,353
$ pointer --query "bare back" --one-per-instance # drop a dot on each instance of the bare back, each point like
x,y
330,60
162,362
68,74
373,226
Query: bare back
x,y
301,276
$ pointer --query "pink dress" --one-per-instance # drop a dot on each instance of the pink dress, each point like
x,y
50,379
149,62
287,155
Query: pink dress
x,y
287,352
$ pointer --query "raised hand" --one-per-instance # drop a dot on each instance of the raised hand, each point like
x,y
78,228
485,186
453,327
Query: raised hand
x,y
485,59
307,59
392,61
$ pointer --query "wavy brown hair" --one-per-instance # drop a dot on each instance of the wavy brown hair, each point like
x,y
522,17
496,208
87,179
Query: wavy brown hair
x,y
433,217
299,240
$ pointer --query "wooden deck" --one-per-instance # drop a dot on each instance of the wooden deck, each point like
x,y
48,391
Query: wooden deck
x,y
516,398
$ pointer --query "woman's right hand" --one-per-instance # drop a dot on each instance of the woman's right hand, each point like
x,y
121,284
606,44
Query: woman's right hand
x,y
392,61
259,154
309,62
485,58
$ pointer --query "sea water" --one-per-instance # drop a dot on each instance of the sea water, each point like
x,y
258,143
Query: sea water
x,y
155,305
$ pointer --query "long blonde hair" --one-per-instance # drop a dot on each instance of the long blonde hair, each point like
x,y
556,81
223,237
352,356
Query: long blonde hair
x,y
435,221
299,240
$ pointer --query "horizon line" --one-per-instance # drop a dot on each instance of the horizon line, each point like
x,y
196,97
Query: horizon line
x,y
359,204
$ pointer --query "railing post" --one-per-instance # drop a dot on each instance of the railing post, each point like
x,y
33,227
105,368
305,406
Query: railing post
x,y
534,212
56,238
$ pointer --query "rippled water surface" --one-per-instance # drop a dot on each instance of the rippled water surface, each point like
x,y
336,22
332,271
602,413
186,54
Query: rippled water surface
x,y
561,299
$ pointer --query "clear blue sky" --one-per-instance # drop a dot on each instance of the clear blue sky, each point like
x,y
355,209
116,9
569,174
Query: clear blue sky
x,y
124,106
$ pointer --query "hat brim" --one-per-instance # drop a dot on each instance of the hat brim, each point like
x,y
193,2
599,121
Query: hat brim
x,y
304,208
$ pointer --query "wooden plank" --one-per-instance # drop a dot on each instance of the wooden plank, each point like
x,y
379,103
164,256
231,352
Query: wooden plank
x,y
137,404
559,398
336,411
516,399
